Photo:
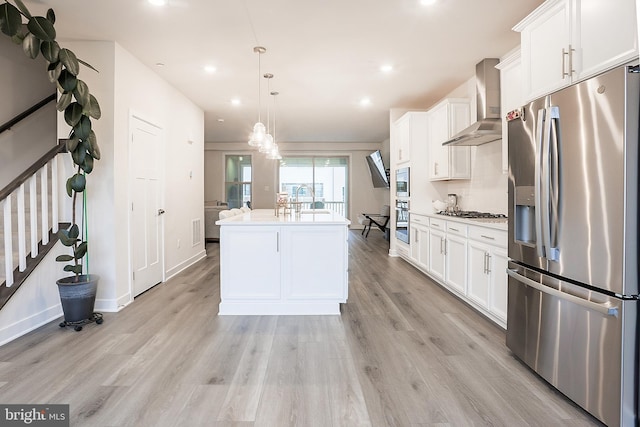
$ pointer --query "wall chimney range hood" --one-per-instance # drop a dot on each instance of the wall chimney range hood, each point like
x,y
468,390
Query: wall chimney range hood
x,y
488,128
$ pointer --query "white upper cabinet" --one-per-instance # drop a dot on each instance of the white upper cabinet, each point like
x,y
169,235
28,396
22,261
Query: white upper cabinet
x,y
445,120
564,41
411,136
511,96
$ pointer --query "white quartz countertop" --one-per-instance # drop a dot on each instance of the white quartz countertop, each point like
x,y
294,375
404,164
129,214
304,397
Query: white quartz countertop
x,y
268,217
497,223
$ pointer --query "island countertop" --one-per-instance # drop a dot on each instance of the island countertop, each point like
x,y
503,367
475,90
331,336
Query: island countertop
x,y
268,217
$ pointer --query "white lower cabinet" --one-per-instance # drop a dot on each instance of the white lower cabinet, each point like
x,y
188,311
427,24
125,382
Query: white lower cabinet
x,y
456,263
420,245
487,266
437,242
469,260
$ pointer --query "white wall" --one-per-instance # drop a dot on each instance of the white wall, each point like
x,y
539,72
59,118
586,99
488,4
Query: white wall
x,y
24,83
125,86
362,196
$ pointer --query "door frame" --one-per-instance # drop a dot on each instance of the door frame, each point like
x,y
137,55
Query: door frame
x,y
133,115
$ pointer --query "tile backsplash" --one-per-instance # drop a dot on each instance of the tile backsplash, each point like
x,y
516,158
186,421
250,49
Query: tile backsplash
x,y
486,191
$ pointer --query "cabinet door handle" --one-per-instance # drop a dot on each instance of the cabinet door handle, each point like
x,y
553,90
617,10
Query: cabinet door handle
x,y
569,53
484,263
488,263
415,236
487,237
277,241
435,168
454,229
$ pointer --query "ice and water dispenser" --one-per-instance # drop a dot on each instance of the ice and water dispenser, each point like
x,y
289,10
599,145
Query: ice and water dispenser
x,y
525,216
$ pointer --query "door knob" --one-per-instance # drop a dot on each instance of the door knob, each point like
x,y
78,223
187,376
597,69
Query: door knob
x,y
160,211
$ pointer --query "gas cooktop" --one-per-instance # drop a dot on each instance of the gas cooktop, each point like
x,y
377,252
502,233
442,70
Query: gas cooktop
x,y
473,214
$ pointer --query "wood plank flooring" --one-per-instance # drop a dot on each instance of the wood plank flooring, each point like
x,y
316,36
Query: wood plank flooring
x,y
404,352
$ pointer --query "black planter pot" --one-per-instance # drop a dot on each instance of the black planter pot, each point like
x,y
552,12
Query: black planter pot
x,y
78,297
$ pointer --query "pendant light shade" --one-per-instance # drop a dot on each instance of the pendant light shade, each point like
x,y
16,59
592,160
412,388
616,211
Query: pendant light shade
x,y
259,130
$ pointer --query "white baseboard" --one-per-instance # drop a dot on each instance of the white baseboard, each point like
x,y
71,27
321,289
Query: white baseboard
x,y
108,305
26,325
185,264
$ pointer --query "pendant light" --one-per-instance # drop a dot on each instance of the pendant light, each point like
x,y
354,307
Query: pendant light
x,y
259,130
267,142
274,152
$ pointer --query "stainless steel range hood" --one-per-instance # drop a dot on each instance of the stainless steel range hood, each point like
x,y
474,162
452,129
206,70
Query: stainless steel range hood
x,y
488,128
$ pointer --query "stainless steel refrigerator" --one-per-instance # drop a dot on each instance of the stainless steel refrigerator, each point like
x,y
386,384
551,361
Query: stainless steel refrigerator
x,y
573,242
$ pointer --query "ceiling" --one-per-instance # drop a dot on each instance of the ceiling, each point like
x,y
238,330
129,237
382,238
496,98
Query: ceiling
x,y
325,55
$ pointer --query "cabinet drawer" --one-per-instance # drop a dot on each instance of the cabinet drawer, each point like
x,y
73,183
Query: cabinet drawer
x,y
419,219
489,235
438,224
456,228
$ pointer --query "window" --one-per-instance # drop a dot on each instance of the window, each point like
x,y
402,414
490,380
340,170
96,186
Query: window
x,y
237,177
327,176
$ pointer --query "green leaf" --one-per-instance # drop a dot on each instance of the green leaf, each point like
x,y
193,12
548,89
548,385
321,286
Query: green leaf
x,y
81,92
73,268
87,166
78,183
94,149
10,19
94,108
83,128
51,16
65,239
31,46
72,143
50,51
23,8
86,64
63,102
54,75
80,251
64,258
78,157
42,28
67,80
73,113
70,61
17,38
74,231
69,189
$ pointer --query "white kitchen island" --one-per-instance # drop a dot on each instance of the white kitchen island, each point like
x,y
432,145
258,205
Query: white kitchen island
x,y
287,264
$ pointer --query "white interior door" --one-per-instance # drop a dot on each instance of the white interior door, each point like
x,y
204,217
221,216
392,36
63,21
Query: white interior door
x,y
146,208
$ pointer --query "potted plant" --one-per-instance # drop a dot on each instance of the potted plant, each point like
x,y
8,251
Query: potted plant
x,y
37,35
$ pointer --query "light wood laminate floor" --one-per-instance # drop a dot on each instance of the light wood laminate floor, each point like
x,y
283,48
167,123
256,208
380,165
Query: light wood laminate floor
x,y
404,352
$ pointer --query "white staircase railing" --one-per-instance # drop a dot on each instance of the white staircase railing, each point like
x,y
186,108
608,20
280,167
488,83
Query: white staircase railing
x,y
34,195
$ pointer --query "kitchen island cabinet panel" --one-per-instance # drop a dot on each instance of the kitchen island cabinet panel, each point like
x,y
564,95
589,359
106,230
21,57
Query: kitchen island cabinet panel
x,y
314,263
256,246
283,265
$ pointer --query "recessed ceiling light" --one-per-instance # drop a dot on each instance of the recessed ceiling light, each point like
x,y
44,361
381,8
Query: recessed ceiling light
x,y
220,120
235,101
210,69
159,64
365,101
158,2
428,2
386,68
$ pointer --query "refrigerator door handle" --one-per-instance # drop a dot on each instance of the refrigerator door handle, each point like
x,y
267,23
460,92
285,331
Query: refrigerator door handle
x,y
604,308
553,194
538,187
